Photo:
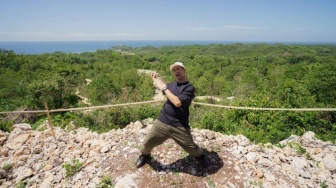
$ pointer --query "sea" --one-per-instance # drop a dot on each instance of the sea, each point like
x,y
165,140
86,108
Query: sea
x,y
41,47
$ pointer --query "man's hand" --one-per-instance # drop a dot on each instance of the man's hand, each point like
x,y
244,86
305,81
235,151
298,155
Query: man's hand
x,y
160,85
157,82
154,75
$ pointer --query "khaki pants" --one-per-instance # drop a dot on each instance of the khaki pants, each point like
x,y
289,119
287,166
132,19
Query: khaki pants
x,y
160,132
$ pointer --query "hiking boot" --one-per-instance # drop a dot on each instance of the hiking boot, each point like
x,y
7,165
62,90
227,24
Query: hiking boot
x,y
142,160
203,161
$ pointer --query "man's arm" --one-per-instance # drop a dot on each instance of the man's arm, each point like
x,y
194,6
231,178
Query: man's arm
x,y
173,98
160,85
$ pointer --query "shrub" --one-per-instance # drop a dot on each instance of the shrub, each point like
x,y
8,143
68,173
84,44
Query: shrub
x,y
72,168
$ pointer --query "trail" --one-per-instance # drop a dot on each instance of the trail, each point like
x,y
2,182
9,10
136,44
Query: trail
x,y
158,95
85,100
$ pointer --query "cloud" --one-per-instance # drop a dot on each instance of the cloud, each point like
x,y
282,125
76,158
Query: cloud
x,y
120,34
78,34
116,34
200,28
241,27
27,33
40,35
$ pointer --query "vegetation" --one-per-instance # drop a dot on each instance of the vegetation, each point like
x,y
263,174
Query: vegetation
x,y
106,182
257,75
7,167
71,168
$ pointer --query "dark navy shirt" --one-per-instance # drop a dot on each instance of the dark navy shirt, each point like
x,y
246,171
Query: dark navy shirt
x,y
178,116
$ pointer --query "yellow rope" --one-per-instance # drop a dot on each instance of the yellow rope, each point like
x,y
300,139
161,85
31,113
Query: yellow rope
x,y
84,108
196,103
274,109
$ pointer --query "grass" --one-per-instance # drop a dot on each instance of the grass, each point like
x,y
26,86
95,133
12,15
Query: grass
x,y
72,168
106,182
7,167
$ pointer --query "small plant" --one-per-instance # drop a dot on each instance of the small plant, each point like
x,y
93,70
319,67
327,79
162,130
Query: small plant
x,y
309,157
106,182
281,145
183,154
20,184
210,182
215,149
176,183
323,184
256,183
299,149
138,146
72,168
269,146
261,146
6,126
7,167
176,173
30,183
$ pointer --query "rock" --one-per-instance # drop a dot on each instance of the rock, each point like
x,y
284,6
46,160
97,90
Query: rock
x,y
47,181
3,174
330,161
23,127
17,142
3,137
126,182
304,173
269,176
242,140
39,159
299,163
252,156
258,174
22,173
292,138
308,139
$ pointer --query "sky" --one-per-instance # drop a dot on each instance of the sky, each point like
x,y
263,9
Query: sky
x,y
197,20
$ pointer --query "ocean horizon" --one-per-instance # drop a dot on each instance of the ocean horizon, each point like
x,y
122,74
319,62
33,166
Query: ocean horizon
x,y
41,47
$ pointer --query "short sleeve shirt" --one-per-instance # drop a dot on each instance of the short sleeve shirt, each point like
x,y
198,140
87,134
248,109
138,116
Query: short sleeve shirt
x,y
178,116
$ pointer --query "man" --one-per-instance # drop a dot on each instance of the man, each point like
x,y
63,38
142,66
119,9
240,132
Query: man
x,y
173,120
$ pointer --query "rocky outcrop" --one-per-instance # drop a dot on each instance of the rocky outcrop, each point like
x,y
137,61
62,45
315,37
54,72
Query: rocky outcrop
x,y
81,158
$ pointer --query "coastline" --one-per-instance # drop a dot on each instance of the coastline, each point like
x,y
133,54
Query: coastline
x,y
41,47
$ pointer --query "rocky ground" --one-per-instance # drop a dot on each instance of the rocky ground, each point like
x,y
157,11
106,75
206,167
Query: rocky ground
x,y
34,158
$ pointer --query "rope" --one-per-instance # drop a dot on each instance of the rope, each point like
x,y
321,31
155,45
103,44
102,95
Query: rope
x,y
84,108
157,101
271,109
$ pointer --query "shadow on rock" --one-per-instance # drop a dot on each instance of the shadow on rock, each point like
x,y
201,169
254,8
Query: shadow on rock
x,y
190,166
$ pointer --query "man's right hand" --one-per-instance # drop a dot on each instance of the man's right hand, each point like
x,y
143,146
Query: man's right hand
x,y
154,75
157,82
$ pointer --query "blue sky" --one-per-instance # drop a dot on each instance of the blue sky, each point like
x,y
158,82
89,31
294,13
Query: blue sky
x,y
201,20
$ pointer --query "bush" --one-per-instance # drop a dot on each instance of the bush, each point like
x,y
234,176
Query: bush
x,y
6,126
72,168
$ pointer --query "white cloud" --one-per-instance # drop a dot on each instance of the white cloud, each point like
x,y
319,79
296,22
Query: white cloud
x,y
27,33
120,34
241,27
79,34
40,35
200,28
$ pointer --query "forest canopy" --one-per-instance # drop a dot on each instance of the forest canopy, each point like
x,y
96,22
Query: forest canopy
x,y
256,75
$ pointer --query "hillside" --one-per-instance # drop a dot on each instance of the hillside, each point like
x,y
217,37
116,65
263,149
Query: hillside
x,y
35,159
243,75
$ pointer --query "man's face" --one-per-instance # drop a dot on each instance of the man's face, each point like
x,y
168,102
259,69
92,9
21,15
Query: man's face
x,y
179,73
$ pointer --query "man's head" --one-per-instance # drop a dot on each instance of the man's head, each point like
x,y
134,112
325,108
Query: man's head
x,y
176,64
178,71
